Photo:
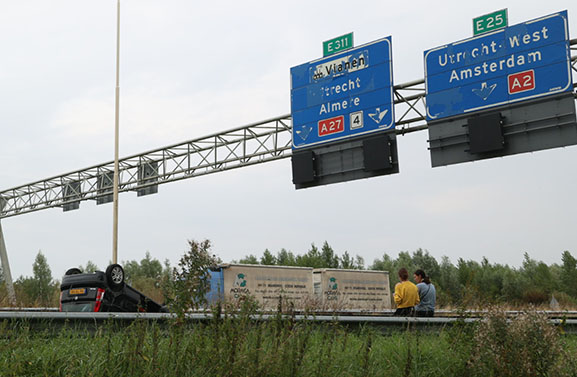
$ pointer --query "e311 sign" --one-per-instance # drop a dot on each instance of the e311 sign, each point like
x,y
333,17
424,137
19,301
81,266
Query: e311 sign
x,y
338,44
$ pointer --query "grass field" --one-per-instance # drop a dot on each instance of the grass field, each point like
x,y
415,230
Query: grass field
x,y
238,346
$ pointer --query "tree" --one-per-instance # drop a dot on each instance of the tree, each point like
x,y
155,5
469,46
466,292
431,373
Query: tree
x,y
285,258
489,280
90,267
312,258
539,278
147,276
424,261
568,275
148,268
447,281
346,261
268,259
404,259
467,272
40,288
384,264
359,262
513,286
249,259
190,279
328,257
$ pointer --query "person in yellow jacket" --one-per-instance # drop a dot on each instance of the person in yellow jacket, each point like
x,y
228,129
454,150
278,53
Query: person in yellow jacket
x,y
406,295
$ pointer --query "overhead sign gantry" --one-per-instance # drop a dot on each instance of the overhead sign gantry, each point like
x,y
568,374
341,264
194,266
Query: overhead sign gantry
x,y
503,92
337,103
525,61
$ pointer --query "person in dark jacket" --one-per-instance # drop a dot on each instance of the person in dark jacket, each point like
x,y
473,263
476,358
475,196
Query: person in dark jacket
x,y
427,295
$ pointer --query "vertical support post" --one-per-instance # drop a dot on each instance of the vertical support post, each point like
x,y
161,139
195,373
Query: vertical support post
x,y
6,267
116,132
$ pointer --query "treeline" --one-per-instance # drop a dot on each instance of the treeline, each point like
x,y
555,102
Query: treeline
x,y
323,258
470,283
466,284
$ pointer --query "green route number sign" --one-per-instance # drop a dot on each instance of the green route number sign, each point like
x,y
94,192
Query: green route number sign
x,y
490,22
338,44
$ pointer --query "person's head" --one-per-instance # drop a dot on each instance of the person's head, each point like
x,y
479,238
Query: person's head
x,y
420,276
403,274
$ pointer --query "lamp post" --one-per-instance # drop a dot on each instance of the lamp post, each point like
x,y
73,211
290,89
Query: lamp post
x,y
6,266
116,132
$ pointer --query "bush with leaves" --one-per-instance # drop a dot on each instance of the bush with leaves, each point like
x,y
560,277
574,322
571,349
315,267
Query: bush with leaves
x,y
147,276
39,290
191,279
527,345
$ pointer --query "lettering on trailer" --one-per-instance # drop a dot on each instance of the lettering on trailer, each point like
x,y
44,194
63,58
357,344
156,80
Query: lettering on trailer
x,y
485,71
239,288
342,96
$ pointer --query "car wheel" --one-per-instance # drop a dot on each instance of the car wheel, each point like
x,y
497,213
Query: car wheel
x,y
115,276
73,271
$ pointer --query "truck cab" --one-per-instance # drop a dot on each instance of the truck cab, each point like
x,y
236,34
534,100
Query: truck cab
x,y
103,292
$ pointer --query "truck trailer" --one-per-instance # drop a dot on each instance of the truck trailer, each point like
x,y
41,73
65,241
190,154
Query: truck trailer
x,y
352,290
268,285
302,288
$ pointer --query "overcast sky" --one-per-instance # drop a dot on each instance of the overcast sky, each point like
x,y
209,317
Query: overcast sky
x,y
190,69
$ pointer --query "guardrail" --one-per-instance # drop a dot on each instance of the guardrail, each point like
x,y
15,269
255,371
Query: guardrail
x,y
92,321
568,314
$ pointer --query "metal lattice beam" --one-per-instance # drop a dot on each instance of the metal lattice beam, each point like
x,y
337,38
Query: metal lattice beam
x,y
256,143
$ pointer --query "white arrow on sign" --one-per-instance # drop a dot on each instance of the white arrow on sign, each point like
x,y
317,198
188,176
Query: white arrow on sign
x,y
485,91
378,115
304,132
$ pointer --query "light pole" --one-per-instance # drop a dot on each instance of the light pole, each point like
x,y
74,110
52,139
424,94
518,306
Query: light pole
x,y
116,132
6,266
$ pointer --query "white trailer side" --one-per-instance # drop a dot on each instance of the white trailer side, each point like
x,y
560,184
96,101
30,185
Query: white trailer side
x,y
268,284
352,289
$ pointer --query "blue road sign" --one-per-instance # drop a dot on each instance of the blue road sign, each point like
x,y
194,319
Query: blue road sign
x,y
513,64
344,95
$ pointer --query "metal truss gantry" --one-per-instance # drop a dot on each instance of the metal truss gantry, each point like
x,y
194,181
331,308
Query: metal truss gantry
x,y
244,146
248,145
256,143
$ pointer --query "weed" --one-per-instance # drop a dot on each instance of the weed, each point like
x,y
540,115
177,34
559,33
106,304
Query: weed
x,y
245,344
527,345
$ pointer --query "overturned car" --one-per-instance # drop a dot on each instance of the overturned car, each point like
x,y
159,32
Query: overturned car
x,y
103,292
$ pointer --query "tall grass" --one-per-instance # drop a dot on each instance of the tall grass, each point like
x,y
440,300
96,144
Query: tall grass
x,y
238,344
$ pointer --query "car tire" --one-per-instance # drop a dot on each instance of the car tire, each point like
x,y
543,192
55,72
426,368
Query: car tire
x,y
73,271
115,277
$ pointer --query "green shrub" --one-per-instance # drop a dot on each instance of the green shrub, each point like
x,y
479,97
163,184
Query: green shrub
x,y
535,296
527,345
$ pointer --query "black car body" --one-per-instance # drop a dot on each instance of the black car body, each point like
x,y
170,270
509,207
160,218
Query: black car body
x,y
103,292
